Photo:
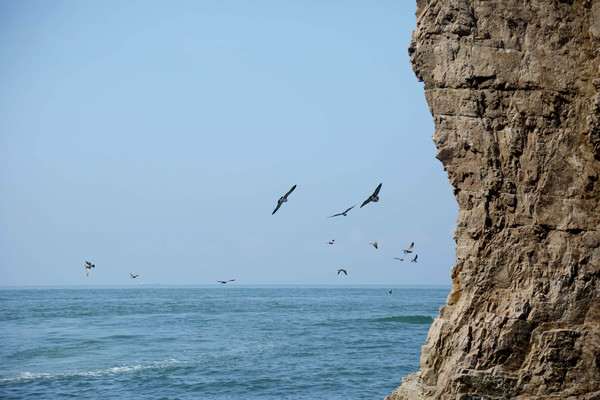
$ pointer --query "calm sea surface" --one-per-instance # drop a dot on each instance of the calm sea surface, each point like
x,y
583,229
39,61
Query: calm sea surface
x,y
225,342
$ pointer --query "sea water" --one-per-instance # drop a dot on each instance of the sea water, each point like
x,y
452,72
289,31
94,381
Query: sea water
x,y
223,342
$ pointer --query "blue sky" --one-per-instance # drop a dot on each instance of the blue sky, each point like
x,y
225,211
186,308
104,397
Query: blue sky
x,y
155,138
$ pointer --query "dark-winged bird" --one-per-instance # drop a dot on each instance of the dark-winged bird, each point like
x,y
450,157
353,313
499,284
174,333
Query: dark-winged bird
x,y
283,199
224,282
88,265
374,197
342,270
331,241
374,244
133,276
409,250
414,259
390,291
398,258
344,213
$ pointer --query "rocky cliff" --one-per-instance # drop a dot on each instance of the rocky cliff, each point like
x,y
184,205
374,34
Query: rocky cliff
x,y
514,90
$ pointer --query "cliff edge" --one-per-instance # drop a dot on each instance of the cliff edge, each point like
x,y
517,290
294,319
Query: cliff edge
x,y
514,90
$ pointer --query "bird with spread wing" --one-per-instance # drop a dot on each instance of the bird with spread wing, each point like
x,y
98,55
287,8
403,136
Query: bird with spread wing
x,y
374,197
344,213
283,199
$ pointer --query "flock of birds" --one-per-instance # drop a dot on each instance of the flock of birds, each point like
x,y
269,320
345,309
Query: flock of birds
x,y
372,198
88,266
283,199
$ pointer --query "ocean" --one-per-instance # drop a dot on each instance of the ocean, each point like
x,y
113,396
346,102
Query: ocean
x,y
219,342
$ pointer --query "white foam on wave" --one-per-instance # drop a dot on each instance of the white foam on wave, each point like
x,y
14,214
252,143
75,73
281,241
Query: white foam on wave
x,y
31,376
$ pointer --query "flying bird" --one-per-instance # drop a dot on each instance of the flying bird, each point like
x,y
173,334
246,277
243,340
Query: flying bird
x,y
374,197
331,241
409,250
390,291
133,276
344,213
342,270
398,258
283,199
224,282
414,259
374,244
88,265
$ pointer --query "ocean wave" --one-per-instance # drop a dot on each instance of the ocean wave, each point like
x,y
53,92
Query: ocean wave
x,y
30,376
407,319
113,337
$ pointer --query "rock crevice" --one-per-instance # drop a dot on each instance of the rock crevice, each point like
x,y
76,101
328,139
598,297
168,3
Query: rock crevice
x,y
514,90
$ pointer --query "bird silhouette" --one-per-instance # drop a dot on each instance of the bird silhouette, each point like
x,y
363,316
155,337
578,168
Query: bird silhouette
x,y
342,270
344,213
414,259
283,199
398,258
224,282
374,244
372,198
133,276
409,250
331,241
88,265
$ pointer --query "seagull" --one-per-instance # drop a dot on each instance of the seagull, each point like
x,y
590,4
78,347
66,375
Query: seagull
x,y
409,250
373,197
414,259
398,258
342,213
390,291
331,241
224,282
283,199
342,270
133,276
374,244
88,265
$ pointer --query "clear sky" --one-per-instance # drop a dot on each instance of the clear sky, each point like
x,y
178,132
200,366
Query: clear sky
x,y
155,137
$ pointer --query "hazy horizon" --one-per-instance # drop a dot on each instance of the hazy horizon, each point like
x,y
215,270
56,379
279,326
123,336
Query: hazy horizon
x,y
216,285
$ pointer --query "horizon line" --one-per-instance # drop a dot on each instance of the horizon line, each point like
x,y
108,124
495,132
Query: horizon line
x,y
83,286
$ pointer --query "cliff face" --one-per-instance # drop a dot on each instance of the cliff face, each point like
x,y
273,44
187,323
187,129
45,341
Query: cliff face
x,y
514,90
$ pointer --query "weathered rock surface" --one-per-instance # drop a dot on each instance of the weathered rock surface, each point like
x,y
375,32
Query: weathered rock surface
x,y
514,90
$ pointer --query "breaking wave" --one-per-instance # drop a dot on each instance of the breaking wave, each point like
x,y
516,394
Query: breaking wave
x,y
30,376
